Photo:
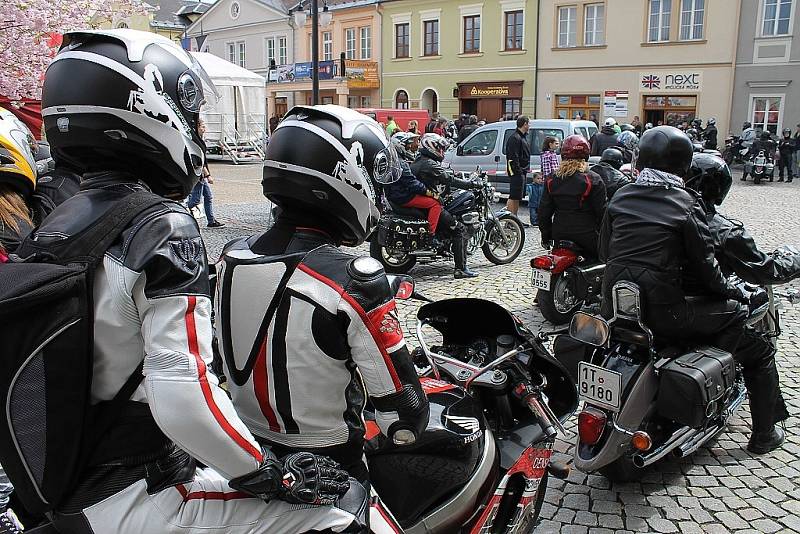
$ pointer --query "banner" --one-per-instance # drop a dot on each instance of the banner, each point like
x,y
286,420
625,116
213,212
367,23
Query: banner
x,y
671,81
361,74
282,74
303,70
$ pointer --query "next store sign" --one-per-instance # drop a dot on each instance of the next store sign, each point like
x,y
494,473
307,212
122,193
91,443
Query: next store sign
x,y
672,81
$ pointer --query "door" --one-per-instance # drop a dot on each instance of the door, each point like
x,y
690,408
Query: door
x,y
469,106
490,109
280,106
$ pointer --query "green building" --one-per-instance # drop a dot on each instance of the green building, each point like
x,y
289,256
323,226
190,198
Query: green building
x,y
459,56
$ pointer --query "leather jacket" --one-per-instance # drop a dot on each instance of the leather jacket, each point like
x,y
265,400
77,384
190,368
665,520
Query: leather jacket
x,y
738,254
518,154
605,138
659,238
406,188
710,137
769,147
434,175
308,332
152,301
613,178
571,209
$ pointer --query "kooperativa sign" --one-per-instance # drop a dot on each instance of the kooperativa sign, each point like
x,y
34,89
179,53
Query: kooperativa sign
x,y
671,81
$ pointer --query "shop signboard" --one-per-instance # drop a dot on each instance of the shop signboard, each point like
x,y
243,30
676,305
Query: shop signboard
x,y
361,74
490,90
302,71
615,104
671,81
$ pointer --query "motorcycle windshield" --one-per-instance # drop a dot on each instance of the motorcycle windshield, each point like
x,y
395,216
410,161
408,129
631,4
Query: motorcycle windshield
x,y
461,320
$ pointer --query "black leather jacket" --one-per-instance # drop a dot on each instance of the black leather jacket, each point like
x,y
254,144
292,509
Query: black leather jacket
x,y
710,137
434,175
659,238
571,208
613,178
769,147
605,138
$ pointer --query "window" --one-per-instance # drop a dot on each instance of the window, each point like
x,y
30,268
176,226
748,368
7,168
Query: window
x,y
512,107
766,113
401,100
236,53
777,14
658,21
567,26
269,48
401,40
327,46
514,22
594,21
282,51
577,106
366,102
536,138
481,144
352,101
692,15
366,42
242,58
231,47
431,37
472,34
350,43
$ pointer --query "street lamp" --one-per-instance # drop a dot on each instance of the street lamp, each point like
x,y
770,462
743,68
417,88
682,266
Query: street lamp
x,y
325,19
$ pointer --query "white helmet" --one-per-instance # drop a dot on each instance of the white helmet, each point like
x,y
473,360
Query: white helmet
x,y
611,121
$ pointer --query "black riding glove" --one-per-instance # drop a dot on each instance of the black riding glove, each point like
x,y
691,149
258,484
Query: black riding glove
x,y
299,478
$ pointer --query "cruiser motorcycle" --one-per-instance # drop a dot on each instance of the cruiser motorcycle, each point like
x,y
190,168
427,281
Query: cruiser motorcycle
x,y
760,166
403,236
498,399
647,399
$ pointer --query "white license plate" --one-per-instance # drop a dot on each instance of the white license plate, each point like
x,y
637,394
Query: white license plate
x,y
541,279
599,386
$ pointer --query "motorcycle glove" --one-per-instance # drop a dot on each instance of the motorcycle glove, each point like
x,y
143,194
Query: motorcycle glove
x,y
299,478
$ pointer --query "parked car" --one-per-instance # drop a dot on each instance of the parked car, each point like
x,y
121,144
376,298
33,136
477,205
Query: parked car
x,y
401,116
486,147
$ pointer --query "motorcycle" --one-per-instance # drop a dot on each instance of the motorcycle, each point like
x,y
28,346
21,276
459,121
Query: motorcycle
x,y
403,236
566,281
498,399
760,166
734,151
644,402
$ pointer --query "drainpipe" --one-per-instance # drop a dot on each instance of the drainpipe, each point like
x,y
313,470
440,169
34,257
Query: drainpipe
x,y
536,59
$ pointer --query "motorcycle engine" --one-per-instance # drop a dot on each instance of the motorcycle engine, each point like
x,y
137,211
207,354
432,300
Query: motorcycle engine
x,y
472,220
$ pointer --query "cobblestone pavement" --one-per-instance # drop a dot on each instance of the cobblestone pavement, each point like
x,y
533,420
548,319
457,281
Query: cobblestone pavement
x,y
721,488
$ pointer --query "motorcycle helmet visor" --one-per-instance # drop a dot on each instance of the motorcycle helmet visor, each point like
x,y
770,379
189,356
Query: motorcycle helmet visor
x,y
387,168
195,89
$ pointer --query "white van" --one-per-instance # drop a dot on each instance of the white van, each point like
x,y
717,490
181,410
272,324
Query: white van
x,y
486,147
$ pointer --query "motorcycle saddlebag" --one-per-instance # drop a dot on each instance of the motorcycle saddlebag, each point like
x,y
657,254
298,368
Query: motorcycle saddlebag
x,y
403,234
693,385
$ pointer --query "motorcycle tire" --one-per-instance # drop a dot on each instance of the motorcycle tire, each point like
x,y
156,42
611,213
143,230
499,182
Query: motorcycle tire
x,y
756,179
556,305
390,263
623,470
727,155
514,230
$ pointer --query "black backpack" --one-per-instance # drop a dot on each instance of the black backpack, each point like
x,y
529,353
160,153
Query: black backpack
x,y
46,328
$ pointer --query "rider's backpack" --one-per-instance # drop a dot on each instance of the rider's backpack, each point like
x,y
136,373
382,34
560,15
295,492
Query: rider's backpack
x,y
46,331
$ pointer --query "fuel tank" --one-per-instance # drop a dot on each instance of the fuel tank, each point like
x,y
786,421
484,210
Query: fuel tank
x,y
460,202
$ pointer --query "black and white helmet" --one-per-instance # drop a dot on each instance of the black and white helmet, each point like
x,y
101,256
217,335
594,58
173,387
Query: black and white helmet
x,y
323,160
434,145
128,100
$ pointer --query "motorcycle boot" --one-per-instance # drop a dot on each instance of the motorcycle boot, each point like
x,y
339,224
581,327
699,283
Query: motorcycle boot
x,y
765,442
460,253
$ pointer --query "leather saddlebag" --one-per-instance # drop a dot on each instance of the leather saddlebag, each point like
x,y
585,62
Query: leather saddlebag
x,y
403,234
693,386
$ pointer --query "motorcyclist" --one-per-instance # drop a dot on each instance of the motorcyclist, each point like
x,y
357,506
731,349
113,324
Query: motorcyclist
x,y
469,126
737,253
655,234
710,134
409,192
786,149
573,200
763,143
317,325
605,138
609,170
628,144
123,106
429,170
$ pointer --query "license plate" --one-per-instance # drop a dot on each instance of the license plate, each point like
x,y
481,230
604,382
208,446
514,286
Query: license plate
x,y
599,386
541,279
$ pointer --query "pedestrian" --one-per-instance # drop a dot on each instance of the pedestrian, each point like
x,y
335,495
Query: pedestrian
x,y
605,138
441,126
786,150
203,189
273,123
593,118
413,127
432,123
534,196
467,129
797,150
550,158
518,153
391,127
637,125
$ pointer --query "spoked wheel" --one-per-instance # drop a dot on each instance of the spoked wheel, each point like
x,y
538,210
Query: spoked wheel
x,y
560,303
495,249
394,262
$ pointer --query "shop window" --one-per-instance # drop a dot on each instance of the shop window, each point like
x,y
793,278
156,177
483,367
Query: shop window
x,y
401,40
431,28
327,100
401,100
583,107
594,24
481,144
766,114
327,46
514,26
366,101
776,16
365,35
352,101
350,43
669,110
567,26
692,16
472,34
658,20
512,107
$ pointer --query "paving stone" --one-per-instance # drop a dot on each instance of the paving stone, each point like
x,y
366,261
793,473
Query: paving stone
x,y
700,515
586,518
576,501
636,510
635,524
690,527
734,502
731,520
600,531
791,521
574,529
703,481
597,481
749,514
610,521
768,526
607,507
661,501
632,498
548,527
689,502
677,514
564,515
714,505
662,525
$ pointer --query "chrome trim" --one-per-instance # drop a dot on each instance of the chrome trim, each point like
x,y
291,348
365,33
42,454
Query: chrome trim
x,y
448,517
643,460
688,447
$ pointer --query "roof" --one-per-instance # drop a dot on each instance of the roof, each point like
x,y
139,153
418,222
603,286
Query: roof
x,y
334,4
175,13
225,73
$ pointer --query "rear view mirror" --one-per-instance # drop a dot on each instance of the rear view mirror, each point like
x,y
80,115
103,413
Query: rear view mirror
x,y
459,150
589,329
402,286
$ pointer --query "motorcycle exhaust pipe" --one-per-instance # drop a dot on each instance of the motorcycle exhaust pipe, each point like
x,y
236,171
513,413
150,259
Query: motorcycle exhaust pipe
x,y
680,435
692,445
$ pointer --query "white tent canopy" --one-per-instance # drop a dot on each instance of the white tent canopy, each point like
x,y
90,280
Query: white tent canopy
x,y
240,113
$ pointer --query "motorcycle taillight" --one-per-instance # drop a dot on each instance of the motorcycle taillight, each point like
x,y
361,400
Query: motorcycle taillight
x,y
590,425
543,262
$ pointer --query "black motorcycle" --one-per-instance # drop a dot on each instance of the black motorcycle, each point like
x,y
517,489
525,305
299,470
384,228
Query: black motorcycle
x,y
403,236
735,151
760,166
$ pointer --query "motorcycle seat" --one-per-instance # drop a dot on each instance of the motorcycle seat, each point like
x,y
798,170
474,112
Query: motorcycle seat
x,y
413,213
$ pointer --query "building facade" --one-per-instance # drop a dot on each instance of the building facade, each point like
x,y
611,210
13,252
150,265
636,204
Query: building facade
x,y
459,56
767,87
665,61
